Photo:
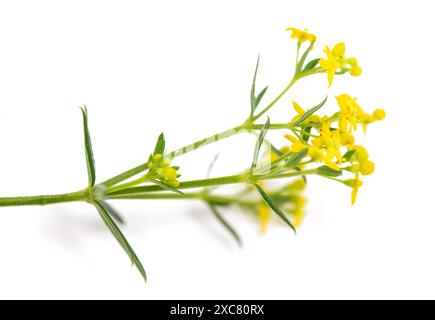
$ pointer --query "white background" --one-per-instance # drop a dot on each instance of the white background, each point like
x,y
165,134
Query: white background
x,y
185,67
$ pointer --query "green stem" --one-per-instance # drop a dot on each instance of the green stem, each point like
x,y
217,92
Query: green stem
x,y
234,179
143,192
130,184
270,105
43,199
220,200
183,185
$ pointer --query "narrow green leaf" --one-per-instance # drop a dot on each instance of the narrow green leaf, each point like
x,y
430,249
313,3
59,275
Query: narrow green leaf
x,y
90,162
113,213
254,80
259,97
309,112
349,154
226,225
327,171
311,65
296,158
120,237
304,57
274,207
160,145
306,133
211,165
259,143
166,187
275,150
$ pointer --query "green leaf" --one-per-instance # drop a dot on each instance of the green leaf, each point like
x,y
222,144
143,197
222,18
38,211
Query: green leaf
x,y
253,106
259,97
349,154
296,158
164,186
327,171
311,65
304,57
260,140
120,237
309,112
113,213
274,207
211,165
306,133
160,145
278,152
90,162
226,225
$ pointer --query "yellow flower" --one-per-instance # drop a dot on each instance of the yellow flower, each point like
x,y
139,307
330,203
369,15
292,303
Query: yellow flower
x,y
314,152
163,171
332,142
352,114
348,113
264,215
302,36
333,60
167,173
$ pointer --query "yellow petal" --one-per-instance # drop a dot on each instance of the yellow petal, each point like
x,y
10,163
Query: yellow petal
x,y
325,64
298,108
343,101
357,183
331,75
339,50
291,138
315,154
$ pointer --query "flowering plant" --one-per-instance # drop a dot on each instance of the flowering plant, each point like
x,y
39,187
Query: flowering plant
x,y
322,145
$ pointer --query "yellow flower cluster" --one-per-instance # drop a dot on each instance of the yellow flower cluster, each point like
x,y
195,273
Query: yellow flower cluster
x,y
336,62
162,170
328,145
